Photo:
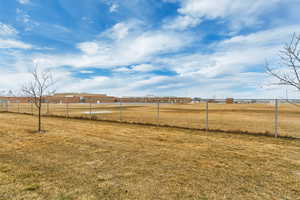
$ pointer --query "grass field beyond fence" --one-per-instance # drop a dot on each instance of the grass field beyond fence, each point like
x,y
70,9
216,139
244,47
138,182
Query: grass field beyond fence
x,y
253,118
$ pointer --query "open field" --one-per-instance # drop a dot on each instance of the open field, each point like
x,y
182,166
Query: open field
x,y
82,159
255,118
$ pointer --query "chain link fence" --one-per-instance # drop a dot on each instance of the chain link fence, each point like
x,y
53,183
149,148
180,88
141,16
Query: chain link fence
x,y
268,117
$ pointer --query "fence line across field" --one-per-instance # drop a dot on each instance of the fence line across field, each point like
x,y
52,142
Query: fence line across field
x,y
246,115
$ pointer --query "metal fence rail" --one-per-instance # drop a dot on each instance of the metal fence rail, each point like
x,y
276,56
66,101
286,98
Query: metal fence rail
x,y
260,116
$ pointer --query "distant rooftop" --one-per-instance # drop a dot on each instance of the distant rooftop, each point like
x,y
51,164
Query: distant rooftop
x,y
78,94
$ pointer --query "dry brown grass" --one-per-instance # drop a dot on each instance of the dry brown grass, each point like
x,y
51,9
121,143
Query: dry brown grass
x,y
257,118
79,159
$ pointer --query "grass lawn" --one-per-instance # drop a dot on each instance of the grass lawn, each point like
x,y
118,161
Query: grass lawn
x,y
81,159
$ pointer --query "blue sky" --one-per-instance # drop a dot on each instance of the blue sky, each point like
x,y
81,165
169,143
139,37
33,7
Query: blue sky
x,y
203,48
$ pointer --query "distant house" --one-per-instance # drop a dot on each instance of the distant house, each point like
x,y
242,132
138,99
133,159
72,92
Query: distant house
x,y
156,99
229,101
60,98
80,98
16,99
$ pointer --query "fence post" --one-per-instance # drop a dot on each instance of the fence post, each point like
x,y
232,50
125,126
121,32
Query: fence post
x,y
158,117
276,118
31,108
206,116
90,111
48,108
120,110
18,107
67,109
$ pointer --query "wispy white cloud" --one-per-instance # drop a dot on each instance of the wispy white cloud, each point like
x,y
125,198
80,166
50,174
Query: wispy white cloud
x,y
118,31
24,1
233,55
121,69
89,48
181,22
86,72
26,20
7,30
144,68
139,68
87,20
81,85
8,38
124,29
114,7
130,48
13,44
238,13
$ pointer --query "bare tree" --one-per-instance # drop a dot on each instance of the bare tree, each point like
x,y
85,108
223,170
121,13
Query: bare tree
x,y
39,87
289,75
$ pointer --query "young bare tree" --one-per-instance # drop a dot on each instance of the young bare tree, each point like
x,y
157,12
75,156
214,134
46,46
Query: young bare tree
x,y
289,74
39,87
